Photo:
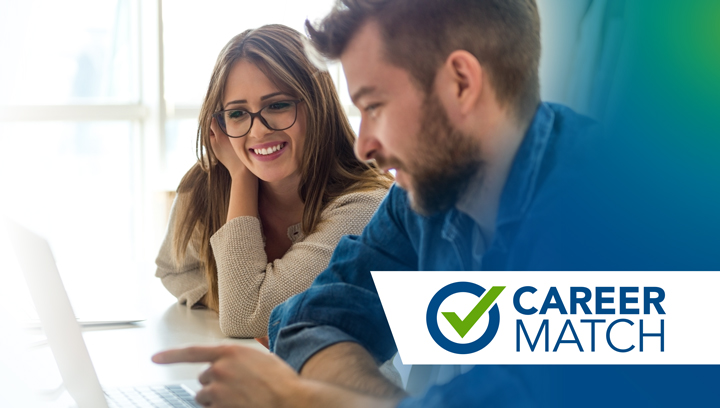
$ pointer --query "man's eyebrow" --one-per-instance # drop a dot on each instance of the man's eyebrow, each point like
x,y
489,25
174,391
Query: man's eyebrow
x,y
262,98
362,92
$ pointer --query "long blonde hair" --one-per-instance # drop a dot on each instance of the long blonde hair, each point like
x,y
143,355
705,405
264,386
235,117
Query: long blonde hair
x,y
329,167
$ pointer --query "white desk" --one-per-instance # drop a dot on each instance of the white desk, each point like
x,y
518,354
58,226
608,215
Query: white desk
x,y
121,355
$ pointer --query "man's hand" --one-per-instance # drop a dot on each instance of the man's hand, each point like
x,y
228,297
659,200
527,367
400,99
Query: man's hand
x,y
238,376
244,377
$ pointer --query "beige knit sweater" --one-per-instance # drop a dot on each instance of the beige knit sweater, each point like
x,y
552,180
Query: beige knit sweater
x,y
249,286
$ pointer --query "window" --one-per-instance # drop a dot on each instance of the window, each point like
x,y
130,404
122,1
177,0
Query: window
x,y
98,116
72,120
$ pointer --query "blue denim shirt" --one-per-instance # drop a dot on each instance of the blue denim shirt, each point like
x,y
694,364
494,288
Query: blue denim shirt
x,y
342,303
397,238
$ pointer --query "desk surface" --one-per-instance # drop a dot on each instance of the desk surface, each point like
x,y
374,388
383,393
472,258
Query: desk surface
x,y
121,354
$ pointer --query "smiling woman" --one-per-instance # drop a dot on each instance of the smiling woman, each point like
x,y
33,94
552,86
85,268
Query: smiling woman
x,y
275,187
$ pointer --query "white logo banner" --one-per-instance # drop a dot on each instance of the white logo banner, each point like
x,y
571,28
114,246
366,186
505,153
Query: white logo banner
x,y
553,317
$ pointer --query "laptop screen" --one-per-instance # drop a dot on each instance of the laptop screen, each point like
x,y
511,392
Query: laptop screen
x,y
56,316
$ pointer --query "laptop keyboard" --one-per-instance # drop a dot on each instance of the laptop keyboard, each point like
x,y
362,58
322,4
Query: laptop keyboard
x,y
168,396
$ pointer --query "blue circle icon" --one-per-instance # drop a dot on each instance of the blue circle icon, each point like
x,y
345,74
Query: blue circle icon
x,y
439,337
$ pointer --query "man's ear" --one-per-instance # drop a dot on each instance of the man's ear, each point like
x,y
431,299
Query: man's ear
x,y
459,82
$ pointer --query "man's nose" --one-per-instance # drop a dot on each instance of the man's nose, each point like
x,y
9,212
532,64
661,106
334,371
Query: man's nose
x,y
366,144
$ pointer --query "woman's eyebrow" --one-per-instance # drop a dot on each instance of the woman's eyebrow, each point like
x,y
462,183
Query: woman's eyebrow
x,y
262,98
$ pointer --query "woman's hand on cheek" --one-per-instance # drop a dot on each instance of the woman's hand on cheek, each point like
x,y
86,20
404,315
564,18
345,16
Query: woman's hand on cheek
x,y
225,152
244,185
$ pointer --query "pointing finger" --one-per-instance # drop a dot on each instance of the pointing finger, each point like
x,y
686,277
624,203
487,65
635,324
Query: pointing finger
x,y
196,354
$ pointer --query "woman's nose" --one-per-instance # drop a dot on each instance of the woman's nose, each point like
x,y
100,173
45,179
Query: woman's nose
x,y
258,129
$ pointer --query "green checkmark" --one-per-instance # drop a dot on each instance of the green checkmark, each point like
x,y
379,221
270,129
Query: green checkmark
x,y
462,327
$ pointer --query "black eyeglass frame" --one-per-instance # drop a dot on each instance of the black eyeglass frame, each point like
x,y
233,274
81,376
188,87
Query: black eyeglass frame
x,y
219,117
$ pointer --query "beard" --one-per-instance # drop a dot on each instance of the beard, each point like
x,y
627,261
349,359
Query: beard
x,y
443,164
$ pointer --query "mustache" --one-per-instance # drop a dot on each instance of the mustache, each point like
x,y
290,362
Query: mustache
x,y
388,163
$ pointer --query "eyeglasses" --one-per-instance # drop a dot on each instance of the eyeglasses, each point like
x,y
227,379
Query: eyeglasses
x,y
279,115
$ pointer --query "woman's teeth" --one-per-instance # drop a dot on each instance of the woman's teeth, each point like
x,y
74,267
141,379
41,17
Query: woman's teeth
x,y
269,150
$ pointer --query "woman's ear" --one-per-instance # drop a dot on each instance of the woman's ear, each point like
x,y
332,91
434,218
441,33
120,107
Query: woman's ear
x,y
213,126
459,83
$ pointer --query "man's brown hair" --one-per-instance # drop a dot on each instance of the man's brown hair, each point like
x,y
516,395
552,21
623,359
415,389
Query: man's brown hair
x,y
504,35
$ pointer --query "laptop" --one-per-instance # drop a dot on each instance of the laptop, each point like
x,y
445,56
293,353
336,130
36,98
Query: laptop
x,y
65,338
